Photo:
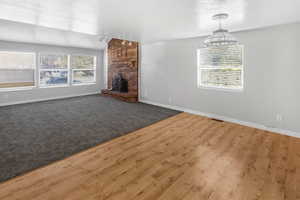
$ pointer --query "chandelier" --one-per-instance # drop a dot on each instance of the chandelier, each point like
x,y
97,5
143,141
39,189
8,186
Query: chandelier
x,y
220,37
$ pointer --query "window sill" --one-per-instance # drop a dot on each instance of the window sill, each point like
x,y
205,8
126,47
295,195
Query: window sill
x,y
53,86
16,89
223,89
83,84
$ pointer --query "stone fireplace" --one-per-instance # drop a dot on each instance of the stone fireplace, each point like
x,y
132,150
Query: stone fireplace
x,y
122,75
119,84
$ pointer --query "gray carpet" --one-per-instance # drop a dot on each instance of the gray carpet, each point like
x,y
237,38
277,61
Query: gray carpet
x,y
36,134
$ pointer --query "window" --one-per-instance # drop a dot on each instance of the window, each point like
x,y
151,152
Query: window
x,y
17,69
54,70
83,69
221,67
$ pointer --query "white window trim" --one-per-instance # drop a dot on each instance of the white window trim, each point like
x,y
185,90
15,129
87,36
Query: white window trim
x,y
220,88
54,86
92,68
12,89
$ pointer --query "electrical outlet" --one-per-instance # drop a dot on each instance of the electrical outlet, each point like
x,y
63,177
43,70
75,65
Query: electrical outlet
x,y
279,117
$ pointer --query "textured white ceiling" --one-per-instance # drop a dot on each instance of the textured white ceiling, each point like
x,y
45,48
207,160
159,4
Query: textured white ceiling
x,y
145,20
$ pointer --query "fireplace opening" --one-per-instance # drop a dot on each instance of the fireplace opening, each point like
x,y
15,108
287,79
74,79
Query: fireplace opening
x,y
119,84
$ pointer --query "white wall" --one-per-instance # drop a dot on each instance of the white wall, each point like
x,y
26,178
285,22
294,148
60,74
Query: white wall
x,y
36,94
272,71
21,32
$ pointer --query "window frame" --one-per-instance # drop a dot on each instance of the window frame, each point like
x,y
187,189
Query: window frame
x,y
40,70
89,69
11,89
221,88
37,70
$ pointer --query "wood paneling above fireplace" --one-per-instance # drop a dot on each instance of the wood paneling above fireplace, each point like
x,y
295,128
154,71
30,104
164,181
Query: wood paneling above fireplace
x,y
123,59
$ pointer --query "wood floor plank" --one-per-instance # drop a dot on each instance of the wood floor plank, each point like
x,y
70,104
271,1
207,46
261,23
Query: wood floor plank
x,y
206,183
239,164
146,160
275,181
296,154
171,166
196,176
251,183
185,157
290,188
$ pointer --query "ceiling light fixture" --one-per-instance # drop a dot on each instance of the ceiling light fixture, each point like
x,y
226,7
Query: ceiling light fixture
x,y
123,42
123,39
220,37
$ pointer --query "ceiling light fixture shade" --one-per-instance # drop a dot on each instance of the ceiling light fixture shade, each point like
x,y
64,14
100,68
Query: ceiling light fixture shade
x,y
221,36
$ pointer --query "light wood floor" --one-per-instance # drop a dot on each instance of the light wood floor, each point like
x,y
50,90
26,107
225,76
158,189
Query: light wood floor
x,y
184,157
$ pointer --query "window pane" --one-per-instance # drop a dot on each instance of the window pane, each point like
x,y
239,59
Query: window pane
x,y
228,78
16,69
221,56
53,61
83,62
53,78
83,76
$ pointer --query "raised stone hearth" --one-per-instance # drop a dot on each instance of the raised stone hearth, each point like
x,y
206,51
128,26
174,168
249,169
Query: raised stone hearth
x,y
128,97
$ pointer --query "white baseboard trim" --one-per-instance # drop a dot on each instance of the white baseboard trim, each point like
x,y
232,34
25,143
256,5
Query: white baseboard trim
x,y
227,119
47,99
